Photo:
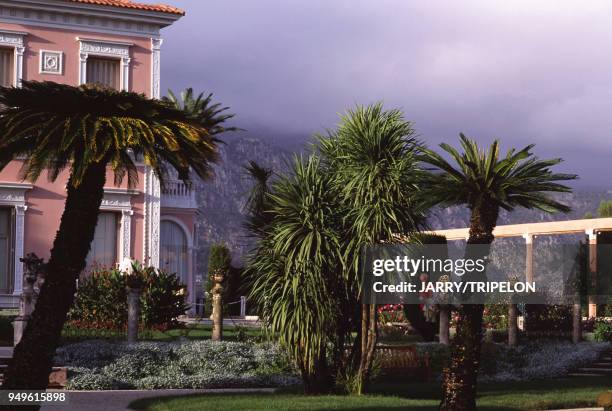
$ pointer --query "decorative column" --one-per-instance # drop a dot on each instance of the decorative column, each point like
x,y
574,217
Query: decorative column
x,y
34,273
152,218
19,247
134,285
512,324
444,312
592,282
528,256
217,306
576,319
83,68
19,50
155,67
125,245
528,270
125,73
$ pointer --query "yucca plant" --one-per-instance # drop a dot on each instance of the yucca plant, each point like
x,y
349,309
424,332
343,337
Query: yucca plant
x,y
296,270
485,182
86,130
372,158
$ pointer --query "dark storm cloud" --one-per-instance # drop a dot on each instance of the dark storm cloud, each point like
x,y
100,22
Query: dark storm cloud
x,y
524,72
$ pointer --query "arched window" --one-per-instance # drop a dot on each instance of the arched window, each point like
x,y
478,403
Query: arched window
x,y
174,250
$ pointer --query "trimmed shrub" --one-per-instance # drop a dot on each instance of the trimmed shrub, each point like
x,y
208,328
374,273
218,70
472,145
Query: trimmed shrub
x,y
495,316
549,320
603,331
101,300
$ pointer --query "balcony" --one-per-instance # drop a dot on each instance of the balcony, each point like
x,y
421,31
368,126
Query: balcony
x,y
177,194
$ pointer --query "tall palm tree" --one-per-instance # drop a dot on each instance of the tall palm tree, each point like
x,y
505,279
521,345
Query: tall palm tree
x,y
485,183
210,115
85,129
373,159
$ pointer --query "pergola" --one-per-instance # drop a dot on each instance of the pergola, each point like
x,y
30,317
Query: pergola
x,y
590,227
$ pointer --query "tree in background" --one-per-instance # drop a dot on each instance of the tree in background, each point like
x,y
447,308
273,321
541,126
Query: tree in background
x,y
257,202
605,209
485,183
91,129
210,115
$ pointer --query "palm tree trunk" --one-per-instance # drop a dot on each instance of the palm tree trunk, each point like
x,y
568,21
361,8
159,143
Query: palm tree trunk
x,y
32,359
460,377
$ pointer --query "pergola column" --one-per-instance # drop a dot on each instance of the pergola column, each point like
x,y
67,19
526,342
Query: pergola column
x,y
528,256
528,272
592,234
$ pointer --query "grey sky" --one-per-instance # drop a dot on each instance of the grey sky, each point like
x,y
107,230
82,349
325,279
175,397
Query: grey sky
x,y
522,71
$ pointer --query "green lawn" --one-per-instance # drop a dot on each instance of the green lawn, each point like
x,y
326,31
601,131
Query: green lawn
x,y
534,395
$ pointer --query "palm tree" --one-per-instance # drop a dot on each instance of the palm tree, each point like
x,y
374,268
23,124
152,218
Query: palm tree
x,y
485,183
373,160
85,129
295,269
211,116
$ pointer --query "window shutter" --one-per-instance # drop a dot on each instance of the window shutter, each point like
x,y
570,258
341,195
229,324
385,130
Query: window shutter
x,y
103,71
7,67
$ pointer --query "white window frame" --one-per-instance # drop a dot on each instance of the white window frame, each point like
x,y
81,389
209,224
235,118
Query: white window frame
x,y
13,195
109,49
119,200
15,40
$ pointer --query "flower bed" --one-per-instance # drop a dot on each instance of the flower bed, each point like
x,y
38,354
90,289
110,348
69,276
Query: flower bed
x,y
102,365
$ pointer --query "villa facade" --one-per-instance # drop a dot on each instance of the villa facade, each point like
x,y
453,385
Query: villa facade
x,y
116,43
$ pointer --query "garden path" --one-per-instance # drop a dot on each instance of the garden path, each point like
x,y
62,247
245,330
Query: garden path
x,y
602,367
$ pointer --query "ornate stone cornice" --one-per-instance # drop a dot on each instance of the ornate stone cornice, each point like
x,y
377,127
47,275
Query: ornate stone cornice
x,y
85,17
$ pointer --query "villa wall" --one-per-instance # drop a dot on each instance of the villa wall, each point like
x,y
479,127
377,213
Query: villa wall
x,y
45,205
43,38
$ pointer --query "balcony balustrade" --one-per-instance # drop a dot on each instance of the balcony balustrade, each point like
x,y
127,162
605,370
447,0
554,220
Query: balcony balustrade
x,y
176,194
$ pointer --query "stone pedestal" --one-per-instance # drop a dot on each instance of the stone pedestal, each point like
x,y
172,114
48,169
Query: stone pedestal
x,y
512,325
217,307
33,279
133,299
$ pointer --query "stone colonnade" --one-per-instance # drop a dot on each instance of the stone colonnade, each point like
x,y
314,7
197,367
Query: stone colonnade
x,y
590,227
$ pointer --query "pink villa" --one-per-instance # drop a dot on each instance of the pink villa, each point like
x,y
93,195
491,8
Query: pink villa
x,y
117,43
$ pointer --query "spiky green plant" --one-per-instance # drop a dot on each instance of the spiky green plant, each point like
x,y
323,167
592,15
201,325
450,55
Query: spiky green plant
x,y
485,182
373,159
295,269
85,130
